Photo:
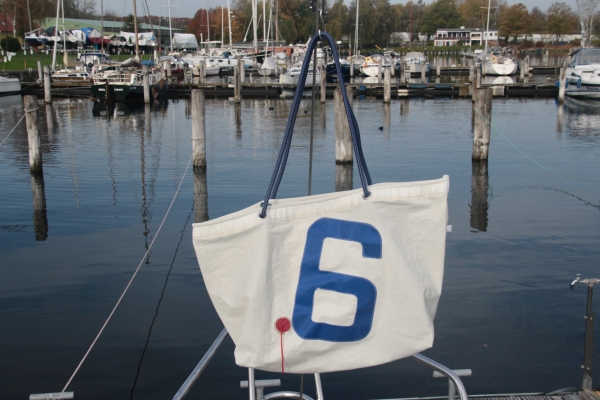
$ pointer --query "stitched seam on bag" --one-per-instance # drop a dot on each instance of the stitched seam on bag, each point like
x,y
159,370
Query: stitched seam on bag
x,y
238,228
359,277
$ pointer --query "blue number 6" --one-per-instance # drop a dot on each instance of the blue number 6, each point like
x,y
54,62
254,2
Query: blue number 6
x,y
311,279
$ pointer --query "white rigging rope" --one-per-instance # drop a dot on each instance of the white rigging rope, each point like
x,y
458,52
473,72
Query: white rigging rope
x,y
130,281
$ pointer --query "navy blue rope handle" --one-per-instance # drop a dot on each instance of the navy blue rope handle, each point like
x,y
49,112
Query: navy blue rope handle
x,y
365,177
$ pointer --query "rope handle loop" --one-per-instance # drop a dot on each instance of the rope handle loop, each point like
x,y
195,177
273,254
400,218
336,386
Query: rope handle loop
x,y
363,171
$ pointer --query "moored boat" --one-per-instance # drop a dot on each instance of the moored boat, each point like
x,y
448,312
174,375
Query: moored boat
x,y
583,74
9,86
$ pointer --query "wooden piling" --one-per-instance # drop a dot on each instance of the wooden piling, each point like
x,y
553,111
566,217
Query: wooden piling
x,y
562,83
475,84
479,195
387,85
40,73
351,67
527,66
438,67
472,73
40,216
343,139
200,195
393,68
33,133
236,84
522,70
167,65
198,129
402,73
423,73
386,120
47,86
323,76
202,72
146,84
482,124
49,121
343,177
379,67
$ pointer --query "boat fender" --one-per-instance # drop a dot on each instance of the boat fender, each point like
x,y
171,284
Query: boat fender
x,y
566,83
579,82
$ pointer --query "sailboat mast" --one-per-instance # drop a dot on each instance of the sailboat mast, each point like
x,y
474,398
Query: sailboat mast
x,y
207,22
170,29
135,30
264,21
55,33
222,28
254,27
102,25
29,15
487,32
356,30
62,3
229,18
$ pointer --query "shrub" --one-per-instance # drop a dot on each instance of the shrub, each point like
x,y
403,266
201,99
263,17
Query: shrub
x,y
539,44
576,42
13,44
527,43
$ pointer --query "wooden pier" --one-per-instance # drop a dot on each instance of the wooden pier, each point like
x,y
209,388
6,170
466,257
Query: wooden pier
x,y
276,90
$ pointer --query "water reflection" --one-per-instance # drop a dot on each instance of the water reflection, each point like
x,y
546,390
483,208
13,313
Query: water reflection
x,y
583,116
40,218
114,110
238,121
498,80
479,196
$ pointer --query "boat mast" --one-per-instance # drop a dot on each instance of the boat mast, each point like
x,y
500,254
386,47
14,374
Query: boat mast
x,y
487,32
222,28
264,21
63,25
55,33
135,30
277,21
170,28
254,25
102,25
29,14
229,18
356,30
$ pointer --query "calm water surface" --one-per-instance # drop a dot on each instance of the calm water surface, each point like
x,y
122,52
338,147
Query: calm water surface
x,y
520,234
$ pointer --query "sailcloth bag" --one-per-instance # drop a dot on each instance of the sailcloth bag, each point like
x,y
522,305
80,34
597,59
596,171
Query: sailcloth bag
x,y
328,282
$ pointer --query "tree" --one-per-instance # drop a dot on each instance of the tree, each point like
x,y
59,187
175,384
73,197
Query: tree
x,y
587,10
474,12
80,8
441,14
39,9
514,21
561,20
538,20
197,25
128,24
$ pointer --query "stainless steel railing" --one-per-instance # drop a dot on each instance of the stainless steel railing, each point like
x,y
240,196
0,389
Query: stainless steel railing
x,y
189,382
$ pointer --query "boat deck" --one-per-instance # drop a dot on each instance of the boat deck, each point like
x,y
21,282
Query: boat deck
x,y
581,395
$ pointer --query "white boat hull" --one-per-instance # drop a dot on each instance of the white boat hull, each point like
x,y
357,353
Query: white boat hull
x,y
9,86
499,69
266,71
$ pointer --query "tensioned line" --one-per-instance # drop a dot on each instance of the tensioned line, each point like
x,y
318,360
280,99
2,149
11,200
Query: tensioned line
x,y
495,128
132,278
13,129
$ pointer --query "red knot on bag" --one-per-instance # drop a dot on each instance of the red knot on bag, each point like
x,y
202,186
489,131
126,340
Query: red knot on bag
x,y
282,325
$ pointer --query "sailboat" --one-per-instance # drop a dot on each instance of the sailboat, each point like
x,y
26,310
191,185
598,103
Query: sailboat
x,y
492,64
127,83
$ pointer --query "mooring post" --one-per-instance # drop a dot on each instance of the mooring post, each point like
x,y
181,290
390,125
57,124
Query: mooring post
x,y
343,139
40,73
323,76
522,70
343,177
200,195
402,73
352,67
47,86
242,75
33,133
475,84
202,72
472,73
236,83
379,70
49,121
393,68
387,117
387,85
527,65
198,129
561,84
482,124
146,83
479,195
40,215
438,67
423,73
167,65
147,119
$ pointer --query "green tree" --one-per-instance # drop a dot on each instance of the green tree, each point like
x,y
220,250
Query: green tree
x,y
538,20
561,20
128,24
474,12
441,14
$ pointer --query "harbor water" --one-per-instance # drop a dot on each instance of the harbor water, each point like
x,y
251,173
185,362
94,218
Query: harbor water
x,y
71,240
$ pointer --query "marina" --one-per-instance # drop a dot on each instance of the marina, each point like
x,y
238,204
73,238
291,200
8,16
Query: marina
x,y
520,233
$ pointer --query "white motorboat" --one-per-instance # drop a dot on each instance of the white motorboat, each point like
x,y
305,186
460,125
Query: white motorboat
x,y
9,86
291,76
583,74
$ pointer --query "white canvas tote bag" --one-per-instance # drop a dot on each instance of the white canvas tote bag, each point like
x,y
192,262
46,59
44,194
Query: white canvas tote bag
x,y
328,282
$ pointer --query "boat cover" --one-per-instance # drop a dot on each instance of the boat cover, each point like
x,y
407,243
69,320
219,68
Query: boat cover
x,y
185,41
269,63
